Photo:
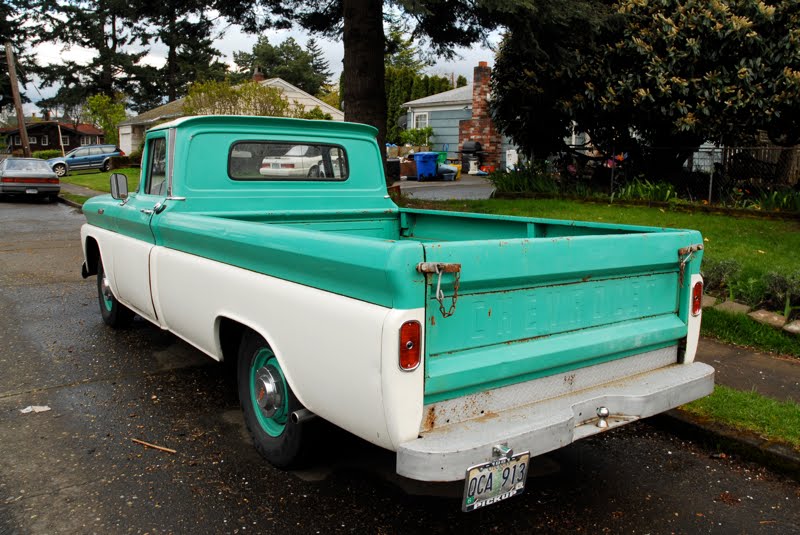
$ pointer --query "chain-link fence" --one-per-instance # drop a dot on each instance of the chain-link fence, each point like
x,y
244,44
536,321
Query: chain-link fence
x,y
735,176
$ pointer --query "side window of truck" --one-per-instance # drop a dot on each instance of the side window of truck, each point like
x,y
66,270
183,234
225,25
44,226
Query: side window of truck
x,y
156,181
272,160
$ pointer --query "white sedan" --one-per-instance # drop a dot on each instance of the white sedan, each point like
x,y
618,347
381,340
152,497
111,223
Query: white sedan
x,y
298,161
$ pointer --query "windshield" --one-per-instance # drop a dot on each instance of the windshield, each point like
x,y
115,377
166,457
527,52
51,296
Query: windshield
x,y
28,165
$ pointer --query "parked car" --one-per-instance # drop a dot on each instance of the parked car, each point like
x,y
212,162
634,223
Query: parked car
x,y
299,161
87,157
29,177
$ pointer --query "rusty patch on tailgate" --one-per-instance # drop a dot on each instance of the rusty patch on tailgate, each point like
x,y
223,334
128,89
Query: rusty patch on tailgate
x,y
429,421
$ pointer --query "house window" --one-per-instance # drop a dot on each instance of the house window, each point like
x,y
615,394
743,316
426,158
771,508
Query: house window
x,y
32,140
17,140
86,140
45,141
65,140
96,140
420,120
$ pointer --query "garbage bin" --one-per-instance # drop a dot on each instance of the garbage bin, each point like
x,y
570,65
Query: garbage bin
x,y
426,164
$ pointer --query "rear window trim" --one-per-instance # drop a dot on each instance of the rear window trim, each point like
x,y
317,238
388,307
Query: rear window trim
x,y
288,179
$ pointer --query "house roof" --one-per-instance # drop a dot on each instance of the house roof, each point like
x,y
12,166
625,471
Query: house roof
x,y
80,128
459,95
174,109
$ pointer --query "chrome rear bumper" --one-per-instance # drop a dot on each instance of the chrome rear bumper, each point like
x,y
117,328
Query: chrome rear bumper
x,y
444,453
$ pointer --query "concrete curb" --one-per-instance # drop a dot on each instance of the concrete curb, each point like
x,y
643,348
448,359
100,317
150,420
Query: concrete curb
x,y
779,457
70,203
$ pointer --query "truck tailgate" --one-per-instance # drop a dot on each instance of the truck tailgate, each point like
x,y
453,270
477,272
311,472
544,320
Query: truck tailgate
x,y
533,307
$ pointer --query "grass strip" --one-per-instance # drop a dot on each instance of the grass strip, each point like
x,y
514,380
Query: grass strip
x,y
749,411
740,330
99,181
80,199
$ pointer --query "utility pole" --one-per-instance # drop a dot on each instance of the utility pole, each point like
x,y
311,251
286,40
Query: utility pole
x,y
12,73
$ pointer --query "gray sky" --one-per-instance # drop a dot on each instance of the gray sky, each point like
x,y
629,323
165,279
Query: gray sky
x,y
235,40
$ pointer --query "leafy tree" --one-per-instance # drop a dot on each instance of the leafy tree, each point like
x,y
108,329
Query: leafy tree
x,y
249,98
106,113
668,74
329,94
461,81
288,61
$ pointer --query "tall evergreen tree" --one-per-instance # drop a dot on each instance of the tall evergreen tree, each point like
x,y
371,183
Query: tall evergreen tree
x,y
288,61
319,65
20,25
109,28
184,28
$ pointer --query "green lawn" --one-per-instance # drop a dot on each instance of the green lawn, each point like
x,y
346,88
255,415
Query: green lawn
x,y
740,330
749,411
760,245
99,181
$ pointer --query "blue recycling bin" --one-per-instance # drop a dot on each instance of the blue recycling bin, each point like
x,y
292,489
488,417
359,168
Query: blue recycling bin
x,y
426,164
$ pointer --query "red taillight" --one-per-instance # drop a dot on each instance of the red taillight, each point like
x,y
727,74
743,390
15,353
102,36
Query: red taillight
x,y
122,152
287,166
410,345
697,298
20,180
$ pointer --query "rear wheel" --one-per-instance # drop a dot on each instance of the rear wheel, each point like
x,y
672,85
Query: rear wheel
x,y
60,169
106,166
268,403
114,313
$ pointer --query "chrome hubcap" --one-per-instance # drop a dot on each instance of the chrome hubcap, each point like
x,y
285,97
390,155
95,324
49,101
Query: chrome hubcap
x,y
269,391
106,288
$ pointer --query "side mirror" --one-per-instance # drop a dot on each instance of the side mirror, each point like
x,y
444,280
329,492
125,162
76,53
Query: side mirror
x,y
119,186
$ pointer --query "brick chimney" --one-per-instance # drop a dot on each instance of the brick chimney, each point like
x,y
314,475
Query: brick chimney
x,y
258,76
481,127
46,115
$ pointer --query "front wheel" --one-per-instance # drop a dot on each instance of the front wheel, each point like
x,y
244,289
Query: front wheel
x,y
60,170
268,403
114,313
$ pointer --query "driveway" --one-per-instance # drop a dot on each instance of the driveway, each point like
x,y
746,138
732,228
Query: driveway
x,y
469,187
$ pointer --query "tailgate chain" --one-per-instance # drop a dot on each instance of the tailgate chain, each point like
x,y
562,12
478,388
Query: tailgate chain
x,y
439,269
685,254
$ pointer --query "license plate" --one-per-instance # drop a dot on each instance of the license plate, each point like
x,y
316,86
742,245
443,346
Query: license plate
x,y
32,191
495,481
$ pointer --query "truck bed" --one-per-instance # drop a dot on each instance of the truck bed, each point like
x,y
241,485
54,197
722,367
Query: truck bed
x,y
536,296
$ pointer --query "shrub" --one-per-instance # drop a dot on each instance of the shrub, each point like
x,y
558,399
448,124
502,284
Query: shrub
x,y
46,154
720,274
121,162
531,177
644,190
135,157
782,290
416,136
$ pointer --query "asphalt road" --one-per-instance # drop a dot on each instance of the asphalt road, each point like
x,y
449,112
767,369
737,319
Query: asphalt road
x,y
75,469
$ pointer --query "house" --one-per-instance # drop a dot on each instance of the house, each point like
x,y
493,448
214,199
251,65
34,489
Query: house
x,y
53,135
131,131
460,115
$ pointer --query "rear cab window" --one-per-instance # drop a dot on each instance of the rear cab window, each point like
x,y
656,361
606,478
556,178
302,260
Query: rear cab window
x,y
272,160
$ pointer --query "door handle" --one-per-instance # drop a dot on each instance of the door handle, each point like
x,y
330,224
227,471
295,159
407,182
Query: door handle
x,y
157,209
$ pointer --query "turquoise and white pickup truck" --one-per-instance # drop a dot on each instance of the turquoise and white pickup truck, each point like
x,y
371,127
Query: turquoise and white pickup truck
x,y
465,343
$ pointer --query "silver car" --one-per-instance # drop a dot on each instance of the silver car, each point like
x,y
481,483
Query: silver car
x,y
28,177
